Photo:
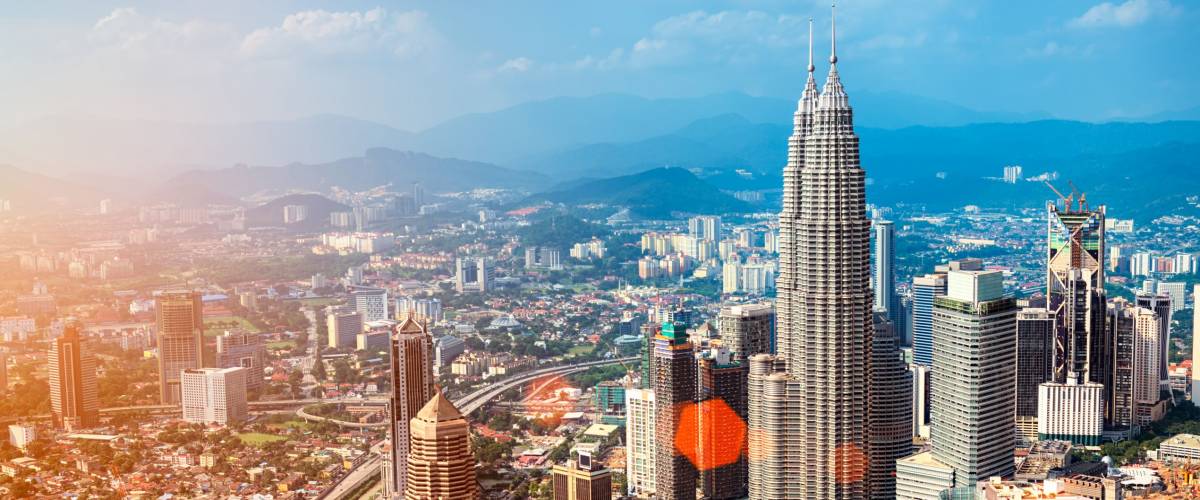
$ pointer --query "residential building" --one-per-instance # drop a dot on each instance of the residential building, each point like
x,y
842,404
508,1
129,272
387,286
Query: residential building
x,y
214,395
721,415
1195,385
423,309
974,393
1160,303
440,464
371,303
640,442
706,227
747,329
74,397
1174,289
1035,362
20,435
180,318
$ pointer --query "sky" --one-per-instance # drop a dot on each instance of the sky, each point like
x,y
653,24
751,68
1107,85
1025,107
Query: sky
x,y
414,64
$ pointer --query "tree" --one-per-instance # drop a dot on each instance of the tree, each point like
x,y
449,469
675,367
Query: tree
x,y
318,370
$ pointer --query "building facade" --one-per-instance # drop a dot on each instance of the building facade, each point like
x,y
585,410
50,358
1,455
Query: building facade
x,y
1071,412
1035,363
371,303
343,325
889,411
747,329
674,390
722,382
581,479
214,395
440,464
243,350
74,398
412,387
640,442
180,318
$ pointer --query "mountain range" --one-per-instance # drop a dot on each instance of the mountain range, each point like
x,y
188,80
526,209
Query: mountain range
x,y
656,193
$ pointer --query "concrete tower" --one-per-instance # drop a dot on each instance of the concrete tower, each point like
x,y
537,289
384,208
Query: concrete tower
x,y
889,411
412,388
74,400
674,390
180,318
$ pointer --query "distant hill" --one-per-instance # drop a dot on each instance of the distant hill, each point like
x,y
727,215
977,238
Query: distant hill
x,y
560,231
271,213
655,193
30,192
377,167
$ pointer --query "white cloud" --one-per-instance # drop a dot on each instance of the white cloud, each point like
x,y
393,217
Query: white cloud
x,y
518,65
1130,13
724,37
612,60
1054,49
128,31
405,34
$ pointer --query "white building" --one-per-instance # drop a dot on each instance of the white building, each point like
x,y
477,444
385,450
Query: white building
x,y
371,303
639,442
294,213
423,309
922,477
1180,448
1196,343
343,326
707,227
1071,412
593,249
1177,290
20,435
16,328
214,395
921,377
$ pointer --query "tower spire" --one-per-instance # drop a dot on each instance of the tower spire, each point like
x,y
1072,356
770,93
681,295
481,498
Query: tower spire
x,y
833,34
811,68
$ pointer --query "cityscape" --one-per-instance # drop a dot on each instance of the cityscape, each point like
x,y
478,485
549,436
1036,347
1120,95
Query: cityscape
x,y
825,295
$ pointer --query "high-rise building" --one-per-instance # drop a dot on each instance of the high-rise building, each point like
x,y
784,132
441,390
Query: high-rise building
x,y
243,350
1176,290
214,395
1147,345
1035,362
772,450
884,270
74,400
293,214
747,329
706,227
1071,412
1121,406
889,411
582,479
640,446
440,464
925,289
1075,291
921,404
343,325
1161,305
412,387
1195,386
468,278
723,395
371,303
974,391
423,309
20,435
180,318
674,390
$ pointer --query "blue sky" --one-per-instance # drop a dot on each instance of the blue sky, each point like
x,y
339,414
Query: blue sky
x,y
413,64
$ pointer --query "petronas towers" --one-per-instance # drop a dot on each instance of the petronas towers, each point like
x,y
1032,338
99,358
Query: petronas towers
x,y
809,433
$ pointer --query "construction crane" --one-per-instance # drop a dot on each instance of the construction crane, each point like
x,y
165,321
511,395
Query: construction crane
x,y
1066,199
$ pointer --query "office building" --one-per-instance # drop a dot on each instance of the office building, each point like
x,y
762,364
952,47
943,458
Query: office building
x,y
582,479
922,477
921,404
773,451
342,325
1128,370
974,393
640,442
1195,385
925,289
1161,305
884,271
214,395
412,387
1147,347
371,303
1072,412
543,258
74,400
1176,290
889,411
722,413
243,350
180,318
747,329
1035,362
472,278
440,464
1183,448
674,389
20,435
445,349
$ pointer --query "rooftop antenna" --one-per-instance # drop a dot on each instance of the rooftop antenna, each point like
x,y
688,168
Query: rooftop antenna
x,y
811,68
833,35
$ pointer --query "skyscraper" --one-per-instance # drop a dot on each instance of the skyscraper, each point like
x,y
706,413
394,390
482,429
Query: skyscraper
x,y
371,303
214,395
1161,305
723,388
974,351
1035,361
342,325
1075,291
772,450
674,391
476,278
925,289
74,400
1195,345
747,329
180,318
412,387
640,443
884,272
889,411
705,227
440,464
